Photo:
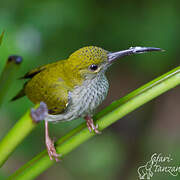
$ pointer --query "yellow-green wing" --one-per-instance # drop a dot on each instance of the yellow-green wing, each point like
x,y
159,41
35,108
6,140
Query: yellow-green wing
x,y
37,70
51,87
30,75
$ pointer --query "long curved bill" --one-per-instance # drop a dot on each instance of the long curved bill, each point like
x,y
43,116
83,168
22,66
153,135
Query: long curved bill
x,y
132,50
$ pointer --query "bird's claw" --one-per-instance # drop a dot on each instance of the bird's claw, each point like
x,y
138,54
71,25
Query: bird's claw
x,y
40,113
91,126
51,150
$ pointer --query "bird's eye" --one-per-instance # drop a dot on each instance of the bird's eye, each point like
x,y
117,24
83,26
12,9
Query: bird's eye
x,y
93,67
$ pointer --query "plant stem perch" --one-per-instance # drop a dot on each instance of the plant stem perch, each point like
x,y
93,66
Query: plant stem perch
x,y
109,115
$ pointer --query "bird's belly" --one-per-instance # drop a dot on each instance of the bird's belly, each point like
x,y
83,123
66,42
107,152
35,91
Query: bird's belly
x,y
86,98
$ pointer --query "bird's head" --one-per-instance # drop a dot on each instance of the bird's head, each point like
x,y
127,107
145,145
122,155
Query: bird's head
x,y
91,60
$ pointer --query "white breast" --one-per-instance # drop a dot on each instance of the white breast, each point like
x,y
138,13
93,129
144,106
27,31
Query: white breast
x,y
84,99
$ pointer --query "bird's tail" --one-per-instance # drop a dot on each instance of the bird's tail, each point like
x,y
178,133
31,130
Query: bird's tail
x,y
20,94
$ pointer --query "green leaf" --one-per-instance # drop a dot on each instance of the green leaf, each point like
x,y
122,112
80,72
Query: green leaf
x,y
8,75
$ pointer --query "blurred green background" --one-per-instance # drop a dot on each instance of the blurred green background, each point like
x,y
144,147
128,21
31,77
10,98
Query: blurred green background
x,y
46,31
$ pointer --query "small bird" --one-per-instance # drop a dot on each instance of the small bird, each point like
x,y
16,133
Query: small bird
x,y
72,88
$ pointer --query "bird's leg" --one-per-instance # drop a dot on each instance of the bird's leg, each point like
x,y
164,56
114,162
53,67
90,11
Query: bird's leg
x,y
50,145
38,115
90,124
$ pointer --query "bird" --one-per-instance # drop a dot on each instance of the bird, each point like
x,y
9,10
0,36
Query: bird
x,y
72,88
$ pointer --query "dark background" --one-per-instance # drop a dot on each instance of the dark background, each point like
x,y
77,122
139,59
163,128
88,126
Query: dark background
x,y
50,30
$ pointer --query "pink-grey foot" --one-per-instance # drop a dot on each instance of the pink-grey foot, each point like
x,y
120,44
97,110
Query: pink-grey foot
x,y
50,145
40,113
90,124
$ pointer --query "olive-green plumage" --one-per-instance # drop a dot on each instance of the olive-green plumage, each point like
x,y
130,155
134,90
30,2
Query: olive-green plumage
x,y
64,83
51,83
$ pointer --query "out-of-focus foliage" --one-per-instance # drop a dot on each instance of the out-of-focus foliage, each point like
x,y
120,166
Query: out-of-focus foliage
x,y
49,30
1,37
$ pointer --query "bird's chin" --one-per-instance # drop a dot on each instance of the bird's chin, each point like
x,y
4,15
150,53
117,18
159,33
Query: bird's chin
x,y
90,76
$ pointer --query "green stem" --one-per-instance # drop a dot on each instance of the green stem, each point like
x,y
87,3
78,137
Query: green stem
x,y
116,111
138,91
15,136
8,75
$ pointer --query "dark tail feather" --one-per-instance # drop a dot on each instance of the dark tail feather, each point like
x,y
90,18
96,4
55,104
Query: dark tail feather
x,y
20,94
